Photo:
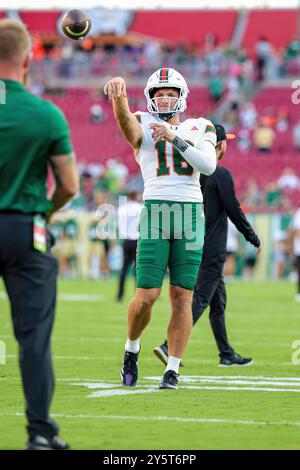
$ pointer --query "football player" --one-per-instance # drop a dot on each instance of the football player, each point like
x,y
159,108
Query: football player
x,y
171,155
220,204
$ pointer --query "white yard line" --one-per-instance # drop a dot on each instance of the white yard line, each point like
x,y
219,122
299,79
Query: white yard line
x,y
71,297
213,383
220,377
166,418
236,381
146,359
247,389
192,379
125,391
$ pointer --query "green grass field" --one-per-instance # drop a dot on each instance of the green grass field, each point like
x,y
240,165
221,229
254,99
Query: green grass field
x,y
256,407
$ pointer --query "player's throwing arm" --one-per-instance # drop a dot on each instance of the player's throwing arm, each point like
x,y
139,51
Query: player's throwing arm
x,y
115,89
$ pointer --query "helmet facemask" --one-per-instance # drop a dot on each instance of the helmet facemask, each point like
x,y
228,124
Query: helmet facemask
x,y
174,104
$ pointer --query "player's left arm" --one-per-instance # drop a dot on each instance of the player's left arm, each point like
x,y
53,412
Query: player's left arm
x,y
202,157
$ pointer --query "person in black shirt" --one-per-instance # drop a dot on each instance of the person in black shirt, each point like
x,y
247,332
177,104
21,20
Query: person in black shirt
x,y
220,202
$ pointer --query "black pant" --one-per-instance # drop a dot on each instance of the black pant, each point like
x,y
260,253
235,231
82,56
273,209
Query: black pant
x,y
30,280
210,290
129,257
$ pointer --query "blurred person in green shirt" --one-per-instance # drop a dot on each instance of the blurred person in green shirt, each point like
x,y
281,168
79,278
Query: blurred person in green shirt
x,y
33,135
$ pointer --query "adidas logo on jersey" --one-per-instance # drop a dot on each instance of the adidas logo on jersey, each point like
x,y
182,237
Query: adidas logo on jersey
x,y
194,128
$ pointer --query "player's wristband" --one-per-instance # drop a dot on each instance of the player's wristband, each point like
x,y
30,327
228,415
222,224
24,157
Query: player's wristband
x,y
180,144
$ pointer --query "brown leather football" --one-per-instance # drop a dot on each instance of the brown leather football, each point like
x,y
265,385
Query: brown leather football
x,y
76,24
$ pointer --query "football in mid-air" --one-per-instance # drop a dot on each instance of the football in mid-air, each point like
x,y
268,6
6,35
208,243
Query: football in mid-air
x,y
76,24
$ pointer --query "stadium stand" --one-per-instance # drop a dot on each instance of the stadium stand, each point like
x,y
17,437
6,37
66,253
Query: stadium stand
x,y
171,26
271,24
265,168
88,137
189,27
40,22
73,65
97,143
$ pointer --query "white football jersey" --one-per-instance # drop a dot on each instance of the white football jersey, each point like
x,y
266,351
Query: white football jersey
x,y
167,175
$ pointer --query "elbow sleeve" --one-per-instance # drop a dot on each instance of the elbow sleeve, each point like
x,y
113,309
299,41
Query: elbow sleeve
x,y
203,157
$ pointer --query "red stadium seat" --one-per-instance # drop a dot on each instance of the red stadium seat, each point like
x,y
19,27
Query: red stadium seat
x,y
189,27
278,26
40,22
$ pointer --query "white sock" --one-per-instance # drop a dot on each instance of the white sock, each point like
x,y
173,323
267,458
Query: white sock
x,y
132,345
173,364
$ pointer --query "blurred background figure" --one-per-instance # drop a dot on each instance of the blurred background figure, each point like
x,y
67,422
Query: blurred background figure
x,y
232,246
248,116
264,137
250,259
128,220
95,250
96,113
296,249
264,58
296,136
280,254
288,179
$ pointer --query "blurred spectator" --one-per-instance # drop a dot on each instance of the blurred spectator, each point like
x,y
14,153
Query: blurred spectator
x,y
181,53
296,249
264,58
85,60
288,179
273,195
37,87
119,170
97,114
293,49
94,169
230,118
283,119
233,95
244,140
152,54
263,138
296,136
81,167
216,88
253,198
231,249
279,254
65,229
128,215
269,117
248,116
250,261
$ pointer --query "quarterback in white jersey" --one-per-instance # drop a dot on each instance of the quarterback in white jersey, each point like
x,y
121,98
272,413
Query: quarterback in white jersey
x,y
162,165
171,156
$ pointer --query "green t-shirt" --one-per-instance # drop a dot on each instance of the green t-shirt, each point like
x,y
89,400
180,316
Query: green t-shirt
x,y
31,130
